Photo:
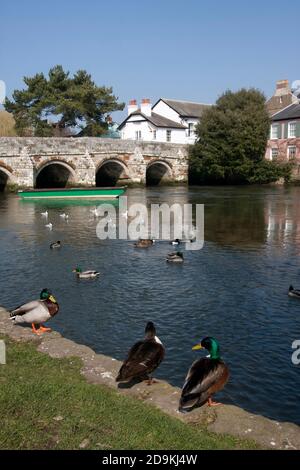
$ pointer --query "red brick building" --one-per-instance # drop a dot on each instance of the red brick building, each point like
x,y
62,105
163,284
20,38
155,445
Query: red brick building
x,y
284,142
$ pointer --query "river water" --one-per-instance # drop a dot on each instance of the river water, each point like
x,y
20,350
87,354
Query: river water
x,y
234,289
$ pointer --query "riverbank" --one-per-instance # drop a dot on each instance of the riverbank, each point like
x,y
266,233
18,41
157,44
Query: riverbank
x,y
123,420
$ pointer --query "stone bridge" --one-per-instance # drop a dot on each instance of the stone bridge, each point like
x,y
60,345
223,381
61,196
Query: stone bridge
x,y
88,161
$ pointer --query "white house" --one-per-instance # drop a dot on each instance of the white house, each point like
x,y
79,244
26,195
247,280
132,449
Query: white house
x,y
166,121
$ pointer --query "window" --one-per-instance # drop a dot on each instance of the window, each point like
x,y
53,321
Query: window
x,y
292,129
274,153
292,149
154,135
138,135
275,131
191,129
169,132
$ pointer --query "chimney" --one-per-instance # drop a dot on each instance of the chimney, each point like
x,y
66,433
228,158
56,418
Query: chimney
x,y
146,107
282,88
132,107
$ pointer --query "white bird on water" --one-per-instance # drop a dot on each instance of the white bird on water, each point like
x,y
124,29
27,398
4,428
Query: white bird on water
x,y
64,216
49,226
44,214
94,212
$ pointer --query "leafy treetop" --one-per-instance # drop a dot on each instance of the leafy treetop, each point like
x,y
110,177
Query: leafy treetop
x,y
62,102
231,142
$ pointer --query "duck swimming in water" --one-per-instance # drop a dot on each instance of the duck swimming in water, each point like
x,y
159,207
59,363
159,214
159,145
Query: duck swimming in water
x,y
144,243
55,245
36,312
175,242
143,358
176,257
85,274
294,292
205,377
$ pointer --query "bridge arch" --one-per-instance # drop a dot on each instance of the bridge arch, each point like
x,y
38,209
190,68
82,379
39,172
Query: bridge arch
x,y
5,178
158,172
54,174
112,172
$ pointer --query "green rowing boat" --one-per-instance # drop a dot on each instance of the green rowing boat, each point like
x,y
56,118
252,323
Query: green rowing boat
x,y
73,193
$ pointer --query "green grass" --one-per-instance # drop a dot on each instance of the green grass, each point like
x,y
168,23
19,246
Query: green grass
x,y
46,403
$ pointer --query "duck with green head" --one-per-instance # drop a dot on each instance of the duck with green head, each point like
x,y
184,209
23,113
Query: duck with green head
x,y
36,312
85,274
205,377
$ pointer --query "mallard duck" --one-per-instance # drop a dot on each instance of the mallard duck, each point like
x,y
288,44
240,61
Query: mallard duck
x,y
175,242
55,245
176,257
37,312
143,358
205,377
85,274
144,243
294,292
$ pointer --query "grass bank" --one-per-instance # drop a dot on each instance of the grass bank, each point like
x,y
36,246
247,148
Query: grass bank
x,y
46,403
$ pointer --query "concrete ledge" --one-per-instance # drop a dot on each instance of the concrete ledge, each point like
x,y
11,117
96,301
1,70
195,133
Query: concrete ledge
x,y
100,369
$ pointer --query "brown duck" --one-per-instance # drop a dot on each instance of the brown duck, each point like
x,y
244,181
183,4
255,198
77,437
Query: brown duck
x,y
144,243
143,358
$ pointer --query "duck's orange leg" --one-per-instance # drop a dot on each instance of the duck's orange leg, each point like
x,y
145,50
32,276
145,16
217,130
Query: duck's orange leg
x,y
44,329
210,402
35,330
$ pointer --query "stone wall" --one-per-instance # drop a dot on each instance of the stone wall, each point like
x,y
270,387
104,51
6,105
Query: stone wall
x,y
22,158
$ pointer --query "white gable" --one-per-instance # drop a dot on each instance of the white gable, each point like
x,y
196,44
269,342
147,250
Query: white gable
x,y
135,118
164,110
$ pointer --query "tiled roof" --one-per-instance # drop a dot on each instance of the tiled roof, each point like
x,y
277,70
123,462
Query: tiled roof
x,y
291,112
187,108
156,119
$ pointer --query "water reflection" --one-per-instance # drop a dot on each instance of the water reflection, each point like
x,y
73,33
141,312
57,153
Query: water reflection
x,y
235,288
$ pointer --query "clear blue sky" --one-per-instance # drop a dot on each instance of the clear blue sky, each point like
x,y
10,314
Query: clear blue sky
x,y
190,49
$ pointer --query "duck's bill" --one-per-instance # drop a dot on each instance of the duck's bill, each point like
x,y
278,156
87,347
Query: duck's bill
x,y
52,299
197,346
